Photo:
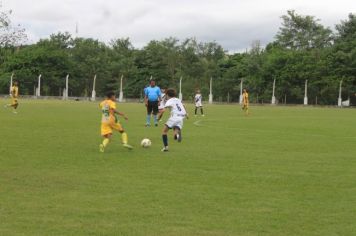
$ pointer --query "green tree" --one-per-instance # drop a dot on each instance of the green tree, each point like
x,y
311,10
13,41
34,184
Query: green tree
x,y
122,63
89,57
302,32
343,57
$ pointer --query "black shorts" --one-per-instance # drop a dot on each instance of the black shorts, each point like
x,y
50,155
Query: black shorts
x,y
152,107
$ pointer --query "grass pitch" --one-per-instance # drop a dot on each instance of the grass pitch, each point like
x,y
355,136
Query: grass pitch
x,y
280,171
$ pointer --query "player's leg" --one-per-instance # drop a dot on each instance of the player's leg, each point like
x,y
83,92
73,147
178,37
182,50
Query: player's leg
x,y
165,138
196,109
160,114
177,134
15,105
124,137
155,112
149,112
178,125
201,110
107,136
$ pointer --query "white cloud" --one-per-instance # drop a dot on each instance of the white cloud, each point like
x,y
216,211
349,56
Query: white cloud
x,y
232,23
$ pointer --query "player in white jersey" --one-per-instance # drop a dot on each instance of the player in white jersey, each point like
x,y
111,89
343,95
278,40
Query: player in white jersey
x,y
175,121
162,103
198,103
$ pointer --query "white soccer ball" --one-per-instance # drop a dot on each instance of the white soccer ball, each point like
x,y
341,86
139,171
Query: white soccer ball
x,y
146,143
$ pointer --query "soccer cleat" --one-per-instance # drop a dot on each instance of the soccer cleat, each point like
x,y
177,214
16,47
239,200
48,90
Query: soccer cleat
x,y
101,148
15,112
202,115
127,146
147,125
156,124
165,149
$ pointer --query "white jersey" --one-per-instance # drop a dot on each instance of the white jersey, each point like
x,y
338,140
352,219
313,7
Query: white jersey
x,y
176,106
198,100
163,101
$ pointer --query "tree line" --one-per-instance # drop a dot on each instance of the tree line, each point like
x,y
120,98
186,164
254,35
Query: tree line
x,y
303,49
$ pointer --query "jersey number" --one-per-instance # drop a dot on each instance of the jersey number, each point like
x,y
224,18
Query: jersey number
x,y
106,111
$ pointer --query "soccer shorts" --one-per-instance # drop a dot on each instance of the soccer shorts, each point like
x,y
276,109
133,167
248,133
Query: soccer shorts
x,y
175,121
107,128
198,104
152,107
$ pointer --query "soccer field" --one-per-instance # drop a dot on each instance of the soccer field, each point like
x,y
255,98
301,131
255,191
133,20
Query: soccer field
x,y
280,171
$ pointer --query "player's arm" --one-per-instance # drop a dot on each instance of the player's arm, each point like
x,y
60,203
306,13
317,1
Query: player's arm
x,y
146,97
162,112
166,105
159,97
120,114
146,100
186,114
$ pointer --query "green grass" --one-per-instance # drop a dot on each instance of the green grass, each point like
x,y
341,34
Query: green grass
x,y
280,171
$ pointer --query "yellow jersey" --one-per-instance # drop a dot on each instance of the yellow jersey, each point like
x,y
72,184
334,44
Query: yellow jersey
x,y
245,97
14,91
107,109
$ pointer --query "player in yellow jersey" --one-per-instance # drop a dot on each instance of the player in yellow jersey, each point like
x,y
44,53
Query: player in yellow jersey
x,y
109,122
14,93
245,101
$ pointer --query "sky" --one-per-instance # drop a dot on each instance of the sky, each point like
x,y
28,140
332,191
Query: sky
x,y
234,24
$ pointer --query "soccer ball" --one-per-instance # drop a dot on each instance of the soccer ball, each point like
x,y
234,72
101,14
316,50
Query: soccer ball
x,y
146,143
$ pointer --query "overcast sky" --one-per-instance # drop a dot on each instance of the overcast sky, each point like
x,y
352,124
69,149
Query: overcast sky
x,y
232,23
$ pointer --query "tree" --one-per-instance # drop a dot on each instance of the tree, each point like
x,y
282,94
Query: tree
x,y
302,32
10,35
233,69
343,57
90,58
122,63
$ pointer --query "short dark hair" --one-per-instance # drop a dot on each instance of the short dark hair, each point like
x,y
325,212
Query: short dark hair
x,y
171,92
110,94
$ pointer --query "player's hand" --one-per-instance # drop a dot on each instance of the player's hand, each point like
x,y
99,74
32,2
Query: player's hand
x,y
124,116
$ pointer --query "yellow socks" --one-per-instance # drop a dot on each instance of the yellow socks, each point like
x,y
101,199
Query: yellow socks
x,y
106,142
124,138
